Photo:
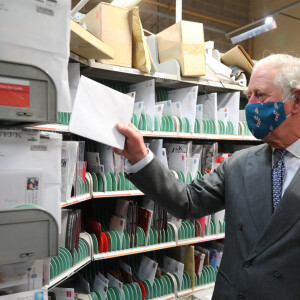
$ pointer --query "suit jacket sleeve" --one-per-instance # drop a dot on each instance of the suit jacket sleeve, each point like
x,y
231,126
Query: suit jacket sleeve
x,y
201,197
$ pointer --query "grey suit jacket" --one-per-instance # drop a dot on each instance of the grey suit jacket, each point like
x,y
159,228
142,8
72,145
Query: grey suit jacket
x,y
261,259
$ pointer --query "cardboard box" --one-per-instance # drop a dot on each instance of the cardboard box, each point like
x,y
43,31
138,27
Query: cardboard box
x,y
87,45
113,25
239,57
183,41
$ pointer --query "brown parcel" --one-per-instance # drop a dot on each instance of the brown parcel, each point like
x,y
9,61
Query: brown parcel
x,y
113,25
140,52
183,41
239,57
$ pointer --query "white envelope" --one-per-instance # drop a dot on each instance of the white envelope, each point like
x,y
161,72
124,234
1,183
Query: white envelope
x,y
119,163
117,224
122,208
145,91
125,267
164,158
193,164
187,98
176,109
167,109
30,295
232,102
242,115
63,293
199,115
177,161
223,114
177,222
218,216
100,285
21,277
210,107
106,158
156,148
69,159
114,282
21,187
97,109
93,162
147,269
137,109
158,113
173,266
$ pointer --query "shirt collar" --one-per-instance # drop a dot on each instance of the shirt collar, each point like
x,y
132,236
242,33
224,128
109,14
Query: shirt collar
x,y
295,148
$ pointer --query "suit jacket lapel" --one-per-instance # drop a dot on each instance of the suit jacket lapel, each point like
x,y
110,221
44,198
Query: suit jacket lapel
x,y
258,186
285,216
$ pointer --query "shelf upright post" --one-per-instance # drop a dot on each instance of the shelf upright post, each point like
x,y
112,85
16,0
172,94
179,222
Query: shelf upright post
x,y
178,11
78,7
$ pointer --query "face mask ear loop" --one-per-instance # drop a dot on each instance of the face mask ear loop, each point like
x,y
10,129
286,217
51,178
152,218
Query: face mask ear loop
x,y
285,100
289,115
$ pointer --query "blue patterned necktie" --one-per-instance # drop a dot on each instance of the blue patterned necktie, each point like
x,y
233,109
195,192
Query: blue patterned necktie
x,y
278,173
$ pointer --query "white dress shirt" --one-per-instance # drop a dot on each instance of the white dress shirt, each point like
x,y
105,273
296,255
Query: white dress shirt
x,y
292,163
129,168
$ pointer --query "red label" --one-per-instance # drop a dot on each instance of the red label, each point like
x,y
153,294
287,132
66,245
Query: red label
x,y
69,294
82,169
14,95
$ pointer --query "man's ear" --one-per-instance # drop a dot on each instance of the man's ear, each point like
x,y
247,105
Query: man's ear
x,y
296,106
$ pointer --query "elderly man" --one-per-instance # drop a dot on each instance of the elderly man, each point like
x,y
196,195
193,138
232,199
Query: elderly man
x,y
259,188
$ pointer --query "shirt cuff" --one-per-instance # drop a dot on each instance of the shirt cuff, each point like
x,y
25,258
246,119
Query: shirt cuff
x,y
129,168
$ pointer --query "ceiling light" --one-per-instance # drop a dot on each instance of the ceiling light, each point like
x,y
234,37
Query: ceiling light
x,y
268,20
271,24
125,3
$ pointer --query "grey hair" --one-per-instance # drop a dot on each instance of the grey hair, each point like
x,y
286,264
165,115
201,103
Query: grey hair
x,y
287,76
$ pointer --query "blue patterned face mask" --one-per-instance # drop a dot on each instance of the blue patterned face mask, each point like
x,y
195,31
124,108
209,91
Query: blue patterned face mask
x,y
263,118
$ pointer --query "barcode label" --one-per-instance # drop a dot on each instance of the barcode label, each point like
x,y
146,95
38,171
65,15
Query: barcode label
x,y
45,11
38,148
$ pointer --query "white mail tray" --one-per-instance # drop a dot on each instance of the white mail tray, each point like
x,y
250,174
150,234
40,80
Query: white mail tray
x,y
27,95
27,234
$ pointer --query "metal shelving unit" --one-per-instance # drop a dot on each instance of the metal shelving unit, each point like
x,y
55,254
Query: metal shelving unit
x,y
75,200
117,194
96,70
136,250
155,247
68,273
202,289
100,71
163,134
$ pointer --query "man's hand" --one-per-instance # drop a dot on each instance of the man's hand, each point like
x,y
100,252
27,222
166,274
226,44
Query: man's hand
x,y
134,149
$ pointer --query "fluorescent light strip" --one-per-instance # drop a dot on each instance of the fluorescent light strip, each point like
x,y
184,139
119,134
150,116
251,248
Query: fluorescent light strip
x,y
254,32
